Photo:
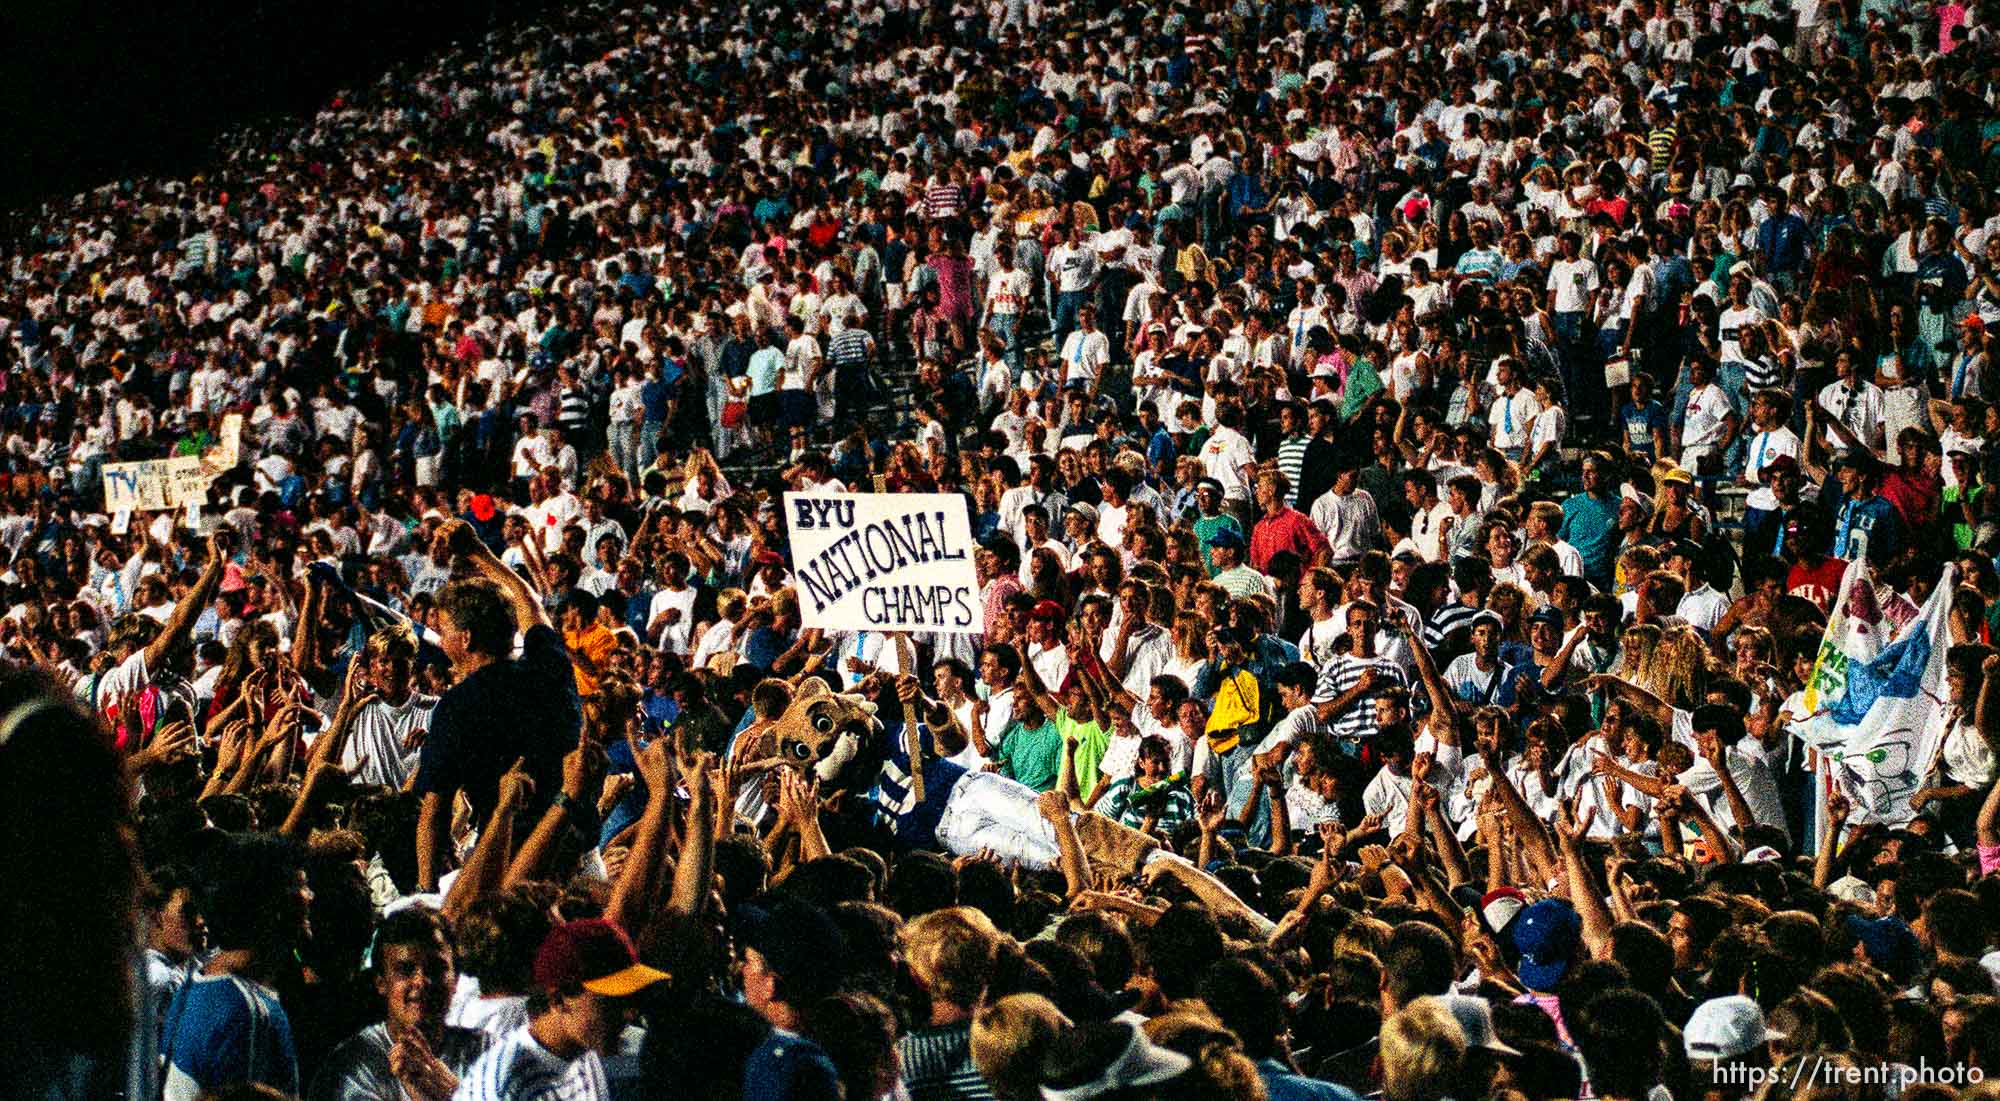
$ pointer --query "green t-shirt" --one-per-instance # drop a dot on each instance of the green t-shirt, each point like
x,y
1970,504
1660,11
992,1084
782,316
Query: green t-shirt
x,y
1030,754
1362,383
1091,742
1206,526
1962,533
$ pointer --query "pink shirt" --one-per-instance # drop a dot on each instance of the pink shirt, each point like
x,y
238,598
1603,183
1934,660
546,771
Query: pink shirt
x,y
1949,17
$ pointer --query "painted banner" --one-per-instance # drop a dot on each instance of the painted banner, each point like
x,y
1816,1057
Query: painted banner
x,y
158,484
155,484
884,561
1875,706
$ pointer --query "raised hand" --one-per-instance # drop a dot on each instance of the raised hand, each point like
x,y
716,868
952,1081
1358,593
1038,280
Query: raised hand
x,y
516,786
656,768
169,743
584,767
321,771
453,538
1674,799
421,1072
1567,826
1211,813
615,788
231,743
798,798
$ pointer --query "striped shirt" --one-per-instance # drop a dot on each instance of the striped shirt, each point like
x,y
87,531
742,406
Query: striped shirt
x,y
943,201
518,1068
1341,673
937,1065
1447,619
849,347
1661,144
1292,461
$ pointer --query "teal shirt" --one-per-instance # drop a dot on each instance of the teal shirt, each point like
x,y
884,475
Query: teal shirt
x,y
1206,526
1591,526
1032,755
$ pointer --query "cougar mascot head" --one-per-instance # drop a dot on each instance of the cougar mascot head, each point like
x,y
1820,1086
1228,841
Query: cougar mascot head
x,y
823,731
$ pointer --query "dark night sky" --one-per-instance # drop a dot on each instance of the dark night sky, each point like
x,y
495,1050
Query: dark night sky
x,y
92,90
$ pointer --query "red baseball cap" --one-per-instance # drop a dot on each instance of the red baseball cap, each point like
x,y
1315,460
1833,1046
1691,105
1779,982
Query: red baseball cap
x,y
593,954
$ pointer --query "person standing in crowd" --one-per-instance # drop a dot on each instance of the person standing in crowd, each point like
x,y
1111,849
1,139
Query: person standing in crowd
x,y
501,709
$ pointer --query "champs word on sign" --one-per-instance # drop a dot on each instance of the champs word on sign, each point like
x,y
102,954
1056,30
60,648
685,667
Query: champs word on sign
x,y
884,561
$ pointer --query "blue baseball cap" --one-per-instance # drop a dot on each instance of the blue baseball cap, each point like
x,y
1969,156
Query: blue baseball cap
x,y
1547,935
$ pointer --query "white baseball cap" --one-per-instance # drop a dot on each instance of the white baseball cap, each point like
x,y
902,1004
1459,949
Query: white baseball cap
x,y
1725,1028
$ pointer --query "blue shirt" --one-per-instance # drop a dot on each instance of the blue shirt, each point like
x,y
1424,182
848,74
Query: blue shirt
x,y
1283,1085
1866,526
915,823
656,395
787,1065
1591,526
220,1031
1639,424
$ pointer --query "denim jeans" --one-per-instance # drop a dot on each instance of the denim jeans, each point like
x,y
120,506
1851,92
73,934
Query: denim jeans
x,y
649,443
1007,326
1067,303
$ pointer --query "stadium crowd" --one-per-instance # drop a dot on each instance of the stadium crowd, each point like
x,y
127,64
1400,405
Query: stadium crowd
x,y
1414,452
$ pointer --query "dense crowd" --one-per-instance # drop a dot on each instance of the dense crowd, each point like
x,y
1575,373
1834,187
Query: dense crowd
x,y
1414,452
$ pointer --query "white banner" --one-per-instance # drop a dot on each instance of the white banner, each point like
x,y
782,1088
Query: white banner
x,y
180,482
884,561
1875,706
156,484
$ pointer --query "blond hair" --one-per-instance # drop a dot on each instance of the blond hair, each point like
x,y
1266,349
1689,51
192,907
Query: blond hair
x,y
1422,1049
1009,1039
951,951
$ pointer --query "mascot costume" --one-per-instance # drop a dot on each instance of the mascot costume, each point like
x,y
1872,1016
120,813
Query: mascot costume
x,y
838,738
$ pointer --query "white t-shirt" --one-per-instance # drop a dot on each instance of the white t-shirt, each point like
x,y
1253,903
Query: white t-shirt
x,y
1085,355
1510,417
674,636
378,734
1708,411
1223,458
1763,449
1573,281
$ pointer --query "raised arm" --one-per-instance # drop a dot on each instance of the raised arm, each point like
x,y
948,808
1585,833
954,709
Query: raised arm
x,y
180,623
306,657
1633,694
1444,710
487,865
1986,713
1739,807
1054,809
583,774
464,542
1529,829
642,863
1325,874
1583,892
1837,808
